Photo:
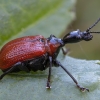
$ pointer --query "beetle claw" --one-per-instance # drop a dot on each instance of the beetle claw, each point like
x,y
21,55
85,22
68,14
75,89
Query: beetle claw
x,y
48,85
82,88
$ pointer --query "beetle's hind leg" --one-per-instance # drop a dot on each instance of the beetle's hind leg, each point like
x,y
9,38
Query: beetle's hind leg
x,y
75,81
15,68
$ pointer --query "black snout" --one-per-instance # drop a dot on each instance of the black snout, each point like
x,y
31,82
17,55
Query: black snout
x,y
87,37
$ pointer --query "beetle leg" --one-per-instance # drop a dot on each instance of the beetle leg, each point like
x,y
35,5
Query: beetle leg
x,y
65,51
7,72
49,75
75,81
18,65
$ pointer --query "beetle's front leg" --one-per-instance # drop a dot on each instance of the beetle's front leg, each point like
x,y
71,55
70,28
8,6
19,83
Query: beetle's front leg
x,y
65,51
49,75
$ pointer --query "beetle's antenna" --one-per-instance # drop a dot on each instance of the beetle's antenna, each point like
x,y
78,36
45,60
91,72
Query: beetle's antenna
x,y
94,32
93,26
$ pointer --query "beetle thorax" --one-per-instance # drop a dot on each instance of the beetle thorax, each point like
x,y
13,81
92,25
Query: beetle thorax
x,y
54,45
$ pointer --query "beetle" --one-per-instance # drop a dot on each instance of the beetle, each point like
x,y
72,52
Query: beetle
x,y
33,53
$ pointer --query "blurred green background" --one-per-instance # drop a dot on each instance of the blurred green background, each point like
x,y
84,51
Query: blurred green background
x,y
87,12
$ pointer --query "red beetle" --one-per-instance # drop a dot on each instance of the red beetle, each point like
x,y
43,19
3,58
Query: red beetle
x,y
38,53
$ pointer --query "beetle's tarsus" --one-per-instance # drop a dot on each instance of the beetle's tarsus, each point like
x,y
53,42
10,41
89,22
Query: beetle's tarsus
x,y
82,88
48,85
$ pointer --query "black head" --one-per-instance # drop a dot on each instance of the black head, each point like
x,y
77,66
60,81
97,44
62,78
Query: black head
x,y
77,36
